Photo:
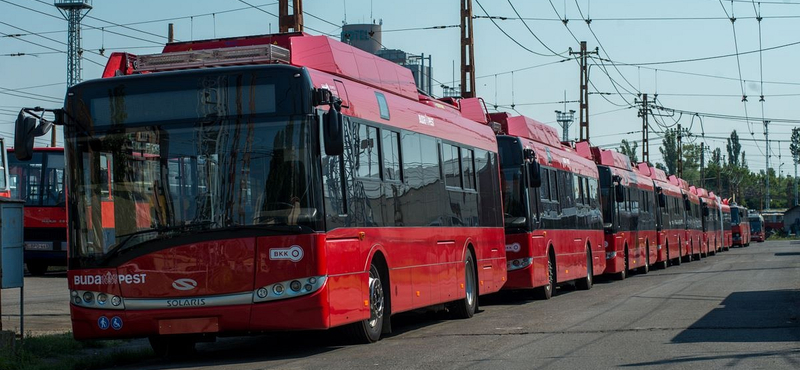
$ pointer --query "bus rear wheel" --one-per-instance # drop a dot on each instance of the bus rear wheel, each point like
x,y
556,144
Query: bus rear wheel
x,y
466,308
624,273
369,330
665,262
586,283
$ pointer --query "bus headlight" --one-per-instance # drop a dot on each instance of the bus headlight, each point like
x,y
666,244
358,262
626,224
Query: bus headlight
x,y
91,299
295,288
519,263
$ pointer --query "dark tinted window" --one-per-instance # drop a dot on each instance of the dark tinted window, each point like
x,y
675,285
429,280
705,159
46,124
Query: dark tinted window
x,y
450,161
391,156
368,165
468,168
412,161
430,159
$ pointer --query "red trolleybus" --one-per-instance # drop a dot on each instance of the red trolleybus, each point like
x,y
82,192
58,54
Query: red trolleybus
x,y
40,183
670,219
271,210
756,228
694,223
554,227
629,211
712,235
727,233
5,189
740,225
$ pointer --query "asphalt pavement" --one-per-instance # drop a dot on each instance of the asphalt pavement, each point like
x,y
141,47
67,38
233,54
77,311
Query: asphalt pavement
x,y
738,309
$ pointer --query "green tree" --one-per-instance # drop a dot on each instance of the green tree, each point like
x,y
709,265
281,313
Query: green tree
x,y
794,147
629,150
669,151
734,148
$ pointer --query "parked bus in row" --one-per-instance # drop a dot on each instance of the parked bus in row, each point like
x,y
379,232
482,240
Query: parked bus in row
x,y
5,189
694,222
740,226
727,233
757,233
40,183
711,221
628,201
324,192
670,220
551,200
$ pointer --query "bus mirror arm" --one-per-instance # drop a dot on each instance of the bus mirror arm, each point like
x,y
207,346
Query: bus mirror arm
x,y
31,124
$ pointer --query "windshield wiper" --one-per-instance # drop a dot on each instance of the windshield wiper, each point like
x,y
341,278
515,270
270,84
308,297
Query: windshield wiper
x,y
122,245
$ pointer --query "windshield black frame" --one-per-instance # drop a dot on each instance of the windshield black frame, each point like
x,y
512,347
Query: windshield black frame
x,y
238,113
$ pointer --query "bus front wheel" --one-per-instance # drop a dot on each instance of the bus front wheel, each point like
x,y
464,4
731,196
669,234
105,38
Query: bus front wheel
x,y
369,330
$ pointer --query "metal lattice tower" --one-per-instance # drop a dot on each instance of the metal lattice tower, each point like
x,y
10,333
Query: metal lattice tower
x,y
73,11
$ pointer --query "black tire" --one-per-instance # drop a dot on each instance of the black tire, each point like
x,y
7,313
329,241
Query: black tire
x,y
587,282
688,257
665,262
369,330
37,268
624,273
172,346
646,268
546,292
466,308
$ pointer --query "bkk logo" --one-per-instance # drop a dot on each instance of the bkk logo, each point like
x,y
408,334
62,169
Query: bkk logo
x,y
512,247
293,253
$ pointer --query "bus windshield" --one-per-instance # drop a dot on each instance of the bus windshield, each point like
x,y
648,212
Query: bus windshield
x,y
512,182
150,182
40,181
755,225
735,216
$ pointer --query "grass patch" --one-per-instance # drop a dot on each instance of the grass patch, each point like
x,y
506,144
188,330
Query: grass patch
x,y
62,352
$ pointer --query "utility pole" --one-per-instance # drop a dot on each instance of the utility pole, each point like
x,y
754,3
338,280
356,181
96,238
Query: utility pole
x,y
702,165
73,11
766,172
467,51
293,21
584,90
680,154
565,119
644,112
795,180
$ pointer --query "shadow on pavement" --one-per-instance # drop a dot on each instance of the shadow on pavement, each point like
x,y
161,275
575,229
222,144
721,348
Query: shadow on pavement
x,y
760,316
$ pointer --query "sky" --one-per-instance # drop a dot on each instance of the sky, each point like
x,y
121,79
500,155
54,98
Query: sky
x,y
654,45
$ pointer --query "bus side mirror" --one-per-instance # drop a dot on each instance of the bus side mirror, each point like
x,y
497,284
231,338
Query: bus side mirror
x,y
662,200
26,128
332,123
332,132
686,204
534,174
619,192
705,211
